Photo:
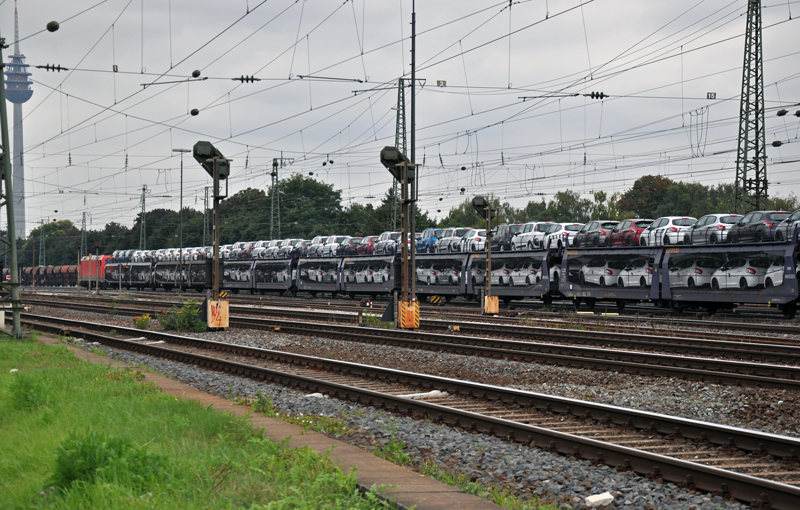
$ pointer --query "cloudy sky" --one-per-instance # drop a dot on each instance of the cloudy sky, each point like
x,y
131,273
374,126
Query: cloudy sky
x,y
509,118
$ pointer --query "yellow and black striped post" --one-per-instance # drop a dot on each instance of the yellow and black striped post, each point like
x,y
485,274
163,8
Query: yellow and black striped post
x,y
409,314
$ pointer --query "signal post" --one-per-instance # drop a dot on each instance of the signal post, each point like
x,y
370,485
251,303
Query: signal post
x,y
218,167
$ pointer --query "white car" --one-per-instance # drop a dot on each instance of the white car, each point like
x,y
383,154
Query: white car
x,y
638,273
315,248
501,275
259,249
474,240
387,243
525,273
601,272
450,240
711,229
667,230
364,275
478,275
333,245
531,236
774,275
561,235
741,273
427,274
448,276
693,272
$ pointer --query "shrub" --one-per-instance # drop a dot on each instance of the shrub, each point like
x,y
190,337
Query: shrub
x,y
183,319
112,308
142,322
27,392
86,458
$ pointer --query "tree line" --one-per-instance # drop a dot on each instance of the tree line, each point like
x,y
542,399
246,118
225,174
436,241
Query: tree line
x,y
309,208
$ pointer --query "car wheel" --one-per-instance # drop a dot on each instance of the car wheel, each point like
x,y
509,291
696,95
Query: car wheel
x,y
429,280
642,241
713,239
642,282
530,246
733,238
528,280
666,240
629,242
687,239
501,247
620,283
778,237
560,245
595,243
608,242
582,279
602,281
759,237
715,284
742,282
511,282
768,283
690,284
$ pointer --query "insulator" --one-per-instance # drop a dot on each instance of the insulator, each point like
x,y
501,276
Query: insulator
x,y
196,73
777,143
781,113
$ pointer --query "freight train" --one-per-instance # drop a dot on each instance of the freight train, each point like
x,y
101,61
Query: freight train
x,y
711,277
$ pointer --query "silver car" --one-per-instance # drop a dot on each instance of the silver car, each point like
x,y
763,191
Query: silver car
x,y
711,229
451,240
693,272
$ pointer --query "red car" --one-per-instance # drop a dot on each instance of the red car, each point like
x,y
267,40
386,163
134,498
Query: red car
x,y
367,245
627,232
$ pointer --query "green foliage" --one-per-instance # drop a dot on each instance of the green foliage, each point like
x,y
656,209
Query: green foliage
x,y
393,450
112,307
135,447
646,195
372,320
183,319
85,458
142,322
28,392
263,405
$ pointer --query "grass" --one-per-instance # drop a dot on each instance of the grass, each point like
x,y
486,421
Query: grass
x,y
182,319
78,435
374,321
504,498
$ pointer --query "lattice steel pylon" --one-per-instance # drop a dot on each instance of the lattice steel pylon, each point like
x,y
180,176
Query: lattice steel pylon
x,y
143,221
84,237
751,158
399,142
275,217
42,253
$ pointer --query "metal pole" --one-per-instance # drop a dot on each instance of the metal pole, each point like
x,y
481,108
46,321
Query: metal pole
x,y
404,233
11,229
488,251
415,184
180,215
215,272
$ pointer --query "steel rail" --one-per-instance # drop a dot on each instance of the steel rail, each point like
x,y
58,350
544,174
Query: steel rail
x,y
744,487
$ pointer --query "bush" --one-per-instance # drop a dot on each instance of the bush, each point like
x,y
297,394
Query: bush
x,y
27,392
87,458
183,319
142,322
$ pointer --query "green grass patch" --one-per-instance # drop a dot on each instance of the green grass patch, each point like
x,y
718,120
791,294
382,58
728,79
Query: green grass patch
x,y
77,435
182,319
501,497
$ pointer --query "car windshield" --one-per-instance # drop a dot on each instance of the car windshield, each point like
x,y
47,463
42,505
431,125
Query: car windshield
x,y
573,228
760,262
461,231
616,264
480,233
684,222
544,227
609,224
512,229
729,220
643,224
709,263
395,236
777,216
339,239
437,232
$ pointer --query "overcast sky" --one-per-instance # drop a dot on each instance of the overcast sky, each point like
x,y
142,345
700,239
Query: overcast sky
x,y
94,137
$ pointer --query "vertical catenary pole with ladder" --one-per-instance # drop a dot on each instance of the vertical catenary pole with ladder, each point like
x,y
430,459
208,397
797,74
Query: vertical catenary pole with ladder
x,y
9,244
415,182
180,215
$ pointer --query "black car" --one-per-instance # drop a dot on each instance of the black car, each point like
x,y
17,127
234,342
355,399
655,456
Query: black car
x,y
301,249
501,239
594,233
758,226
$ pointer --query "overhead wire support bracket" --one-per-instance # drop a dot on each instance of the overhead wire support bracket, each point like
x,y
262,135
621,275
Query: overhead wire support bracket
x,y
421,81
525,98
328,78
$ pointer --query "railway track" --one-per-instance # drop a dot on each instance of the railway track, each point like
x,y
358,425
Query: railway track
x,y
771,365
754,467
620,324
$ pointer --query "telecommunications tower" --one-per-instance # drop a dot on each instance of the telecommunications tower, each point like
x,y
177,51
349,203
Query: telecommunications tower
x,y
18,90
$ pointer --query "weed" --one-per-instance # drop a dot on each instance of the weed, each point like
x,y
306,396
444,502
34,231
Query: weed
x,y
112,332
67,339
326,424
372,320
112,308
263,405
142,322
528,321
27,392
96,455
183,319
393,450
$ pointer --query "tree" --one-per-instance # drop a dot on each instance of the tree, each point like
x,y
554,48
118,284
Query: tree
x,y
308,207
645,196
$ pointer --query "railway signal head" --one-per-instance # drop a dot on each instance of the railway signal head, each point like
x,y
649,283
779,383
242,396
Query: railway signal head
x,y
481,205
203,151
393,160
